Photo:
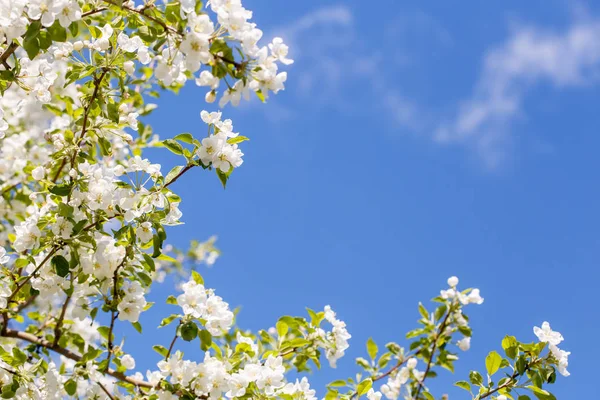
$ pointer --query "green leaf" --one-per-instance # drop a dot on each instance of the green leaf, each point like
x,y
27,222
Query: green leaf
x,y
205,339
521,364
476,378
31,44
166,321
197,277
137,326
510,346
440,312
364,387
149,261
464,385
173,173
71,387
493,362
185,138
57,32
428,396
173,146
223,177
160,350
61,190
541,394
282,328
423,311
103,331
60,265
237,139
372,348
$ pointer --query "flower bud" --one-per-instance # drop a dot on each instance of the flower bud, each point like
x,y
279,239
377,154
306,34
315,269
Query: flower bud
x,y
78,45
211,96
452,281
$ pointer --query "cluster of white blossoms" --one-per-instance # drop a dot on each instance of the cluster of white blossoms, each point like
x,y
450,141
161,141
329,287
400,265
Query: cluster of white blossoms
x,y
472,297
546,335
133,302
216,149
334,342
200,303
393,387
215,379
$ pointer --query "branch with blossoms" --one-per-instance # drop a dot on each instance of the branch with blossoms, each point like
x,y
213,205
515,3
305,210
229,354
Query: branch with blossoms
x,y
433,345
84,218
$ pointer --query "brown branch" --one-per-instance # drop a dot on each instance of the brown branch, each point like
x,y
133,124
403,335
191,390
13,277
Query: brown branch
x,y
61,318
183,171
86,114
92,12
505,384
113,317
105,390
172,344
7,53
28,337
433,349
142,13
391,370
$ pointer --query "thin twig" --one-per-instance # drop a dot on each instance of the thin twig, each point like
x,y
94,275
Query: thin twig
x,y
86,114
92,12
172,344
105,390
433,349
61,318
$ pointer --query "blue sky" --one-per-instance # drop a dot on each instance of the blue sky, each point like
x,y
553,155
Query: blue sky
x,y
414,141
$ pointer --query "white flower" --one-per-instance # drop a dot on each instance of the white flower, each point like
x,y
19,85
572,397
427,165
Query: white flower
x,y
3,257
45,10
563,359
207,79
373,395
62,228
547,335
144,232
38,173
453,281
464,344
128,362
472,298
412,363
280,51
70,12
336,341
502,397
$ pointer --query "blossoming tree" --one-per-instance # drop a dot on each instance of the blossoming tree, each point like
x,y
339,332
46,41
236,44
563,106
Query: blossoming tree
x,y
84,217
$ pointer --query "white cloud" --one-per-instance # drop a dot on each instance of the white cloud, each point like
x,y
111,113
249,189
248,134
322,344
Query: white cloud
x,y
335,65
530,56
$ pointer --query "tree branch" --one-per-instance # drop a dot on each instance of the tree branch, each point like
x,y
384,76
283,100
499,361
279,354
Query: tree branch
x,y
7,53
28,337
86,113
433,349
61,318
